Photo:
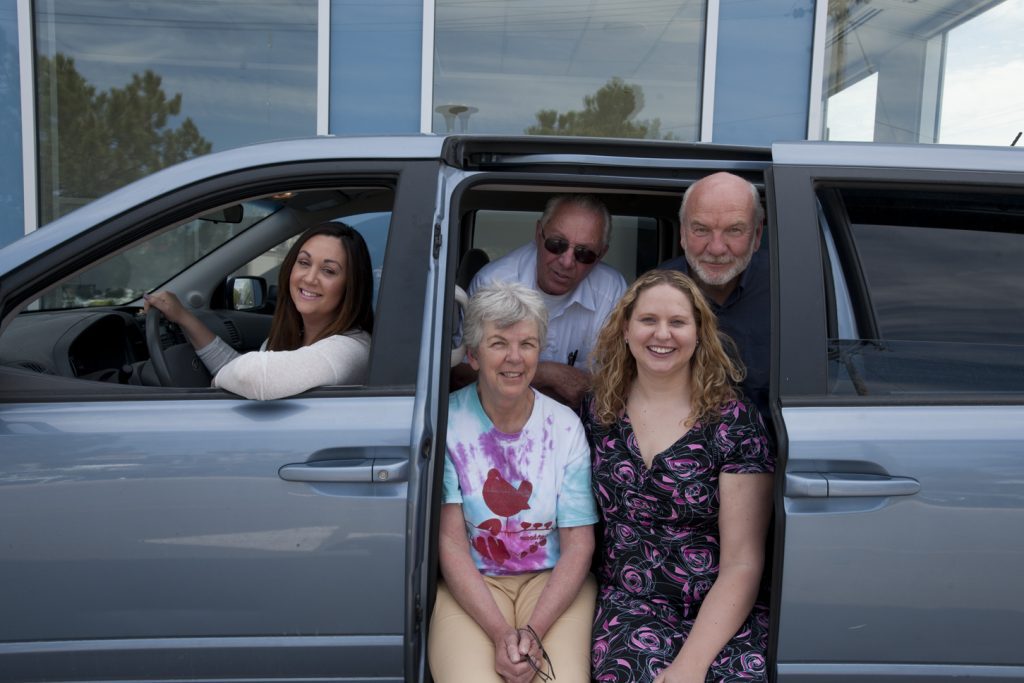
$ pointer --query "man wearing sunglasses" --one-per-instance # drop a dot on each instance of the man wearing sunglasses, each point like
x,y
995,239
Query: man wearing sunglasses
x,y
720,226
563,263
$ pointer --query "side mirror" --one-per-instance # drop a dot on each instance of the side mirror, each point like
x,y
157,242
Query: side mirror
x,y
248,293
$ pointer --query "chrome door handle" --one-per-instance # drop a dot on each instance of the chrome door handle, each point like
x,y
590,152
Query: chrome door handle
x,y
847,485
361,470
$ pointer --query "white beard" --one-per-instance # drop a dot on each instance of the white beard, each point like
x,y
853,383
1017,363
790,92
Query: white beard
x,y
739,265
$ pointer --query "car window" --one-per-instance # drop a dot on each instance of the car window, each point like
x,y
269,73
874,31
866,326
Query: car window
x,y
142,268
90,326
937,288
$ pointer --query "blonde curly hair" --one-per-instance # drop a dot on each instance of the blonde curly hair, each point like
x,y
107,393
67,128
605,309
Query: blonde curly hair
x,y
714,373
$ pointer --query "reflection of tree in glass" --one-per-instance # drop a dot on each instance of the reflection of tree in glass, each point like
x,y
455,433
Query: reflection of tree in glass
x,y
95,142
609,112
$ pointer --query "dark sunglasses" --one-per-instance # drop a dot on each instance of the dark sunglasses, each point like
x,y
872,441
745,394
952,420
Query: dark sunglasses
x,y
558,246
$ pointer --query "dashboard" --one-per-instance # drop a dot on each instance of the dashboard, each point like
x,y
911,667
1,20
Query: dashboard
x,y
109,344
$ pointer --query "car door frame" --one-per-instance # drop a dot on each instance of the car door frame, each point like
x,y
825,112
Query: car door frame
x,y
800,320
402,344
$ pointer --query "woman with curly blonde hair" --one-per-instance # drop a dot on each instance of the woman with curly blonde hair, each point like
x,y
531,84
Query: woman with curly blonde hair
x,y
682,475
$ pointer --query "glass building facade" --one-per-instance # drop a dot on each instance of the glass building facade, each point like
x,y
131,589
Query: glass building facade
x,y
97,93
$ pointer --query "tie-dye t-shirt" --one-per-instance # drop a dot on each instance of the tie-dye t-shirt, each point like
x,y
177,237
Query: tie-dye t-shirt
x,y
516,490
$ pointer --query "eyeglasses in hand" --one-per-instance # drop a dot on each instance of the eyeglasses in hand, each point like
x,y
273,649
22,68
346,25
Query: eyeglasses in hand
x,y
548,675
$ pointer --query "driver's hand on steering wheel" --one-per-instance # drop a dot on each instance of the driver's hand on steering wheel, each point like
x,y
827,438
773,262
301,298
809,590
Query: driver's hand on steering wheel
x,y
165,302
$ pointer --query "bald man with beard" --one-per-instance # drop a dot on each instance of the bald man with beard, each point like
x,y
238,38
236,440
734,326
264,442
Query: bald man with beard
x,y
720,227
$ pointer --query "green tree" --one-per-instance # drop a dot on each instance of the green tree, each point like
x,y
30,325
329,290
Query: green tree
x,y
91,143
609,112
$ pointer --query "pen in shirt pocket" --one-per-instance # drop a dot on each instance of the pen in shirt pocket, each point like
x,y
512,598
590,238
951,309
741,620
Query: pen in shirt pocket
x,y
572,358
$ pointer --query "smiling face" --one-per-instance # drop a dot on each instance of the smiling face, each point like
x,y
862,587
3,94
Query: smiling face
x,y
662,331
559,274
506,360
720,232
317,282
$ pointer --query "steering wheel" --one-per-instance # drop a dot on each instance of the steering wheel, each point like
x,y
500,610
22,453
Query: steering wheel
x,y
177,365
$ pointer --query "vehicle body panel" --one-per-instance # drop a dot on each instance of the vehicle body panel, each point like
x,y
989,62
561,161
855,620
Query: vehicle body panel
x,y
186,534
901,514
140,533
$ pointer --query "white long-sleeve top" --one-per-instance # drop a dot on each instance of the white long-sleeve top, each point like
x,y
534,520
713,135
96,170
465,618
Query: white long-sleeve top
x,y
265,375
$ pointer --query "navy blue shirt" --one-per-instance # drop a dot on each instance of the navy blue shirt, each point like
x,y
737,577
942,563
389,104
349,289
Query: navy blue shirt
x,y
746,317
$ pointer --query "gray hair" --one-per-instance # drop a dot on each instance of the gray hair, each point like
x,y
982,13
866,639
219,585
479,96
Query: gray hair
x,y
758,209
584,201
504,304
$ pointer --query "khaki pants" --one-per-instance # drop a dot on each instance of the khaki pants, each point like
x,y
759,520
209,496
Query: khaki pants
x,y
460,652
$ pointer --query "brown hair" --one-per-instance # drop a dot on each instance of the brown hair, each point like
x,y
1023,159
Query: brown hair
x,y
713,372
356,309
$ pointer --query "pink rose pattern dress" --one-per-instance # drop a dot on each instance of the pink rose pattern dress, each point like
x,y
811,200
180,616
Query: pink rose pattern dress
x,y
660,548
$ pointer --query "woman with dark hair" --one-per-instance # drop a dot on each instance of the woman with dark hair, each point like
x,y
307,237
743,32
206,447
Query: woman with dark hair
x,y
321,329
683,478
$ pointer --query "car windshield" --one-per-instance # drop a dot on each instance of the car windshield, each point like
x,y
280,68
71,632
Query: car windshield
x,y
145,266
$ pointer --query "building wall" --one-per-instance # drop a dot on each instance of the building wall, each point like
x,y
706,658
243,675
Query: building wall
x,y
195,77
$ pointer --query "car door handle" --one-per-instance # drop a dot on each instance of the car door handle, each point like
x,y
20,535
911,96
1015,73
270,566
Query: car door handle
x,y
359,470
847,485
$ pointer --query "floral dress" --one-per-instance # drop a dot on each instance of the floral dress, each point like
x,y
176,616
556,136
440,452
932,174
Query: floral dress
x,y
660,548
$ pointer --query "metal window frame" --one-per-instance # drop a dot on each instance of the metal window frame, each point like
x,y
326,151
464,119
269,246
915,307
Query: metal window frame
x,y
427,68
707,103
815,105
323,67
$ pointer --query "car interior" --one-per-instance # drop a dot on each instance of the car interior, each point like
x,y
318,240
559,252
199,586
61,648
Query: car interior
x,y
224,265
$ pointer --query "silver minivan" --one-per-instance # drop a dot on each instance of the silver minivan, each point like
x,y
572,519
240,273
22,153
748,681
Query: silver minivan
x,y
153,528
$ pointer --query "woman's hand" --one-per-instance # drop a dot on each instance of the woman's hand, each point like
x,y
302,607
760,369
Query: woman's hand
x,y
509,660
167,303
199,335
675,674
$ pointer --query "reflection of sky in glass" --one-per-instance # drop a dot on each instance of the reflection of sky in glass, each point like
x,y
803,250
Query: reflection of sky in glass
x,y
246,69
375,66
981,97
850,114
761,84
512,58
945,285
11,202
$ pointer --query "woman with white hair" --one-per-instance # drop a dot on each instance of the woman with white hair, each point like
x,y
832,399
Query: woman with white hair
x,y
516,601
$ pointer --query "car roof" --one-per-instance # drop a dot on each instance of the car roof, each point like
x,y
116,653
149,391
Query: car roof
x,y
479,152
881,155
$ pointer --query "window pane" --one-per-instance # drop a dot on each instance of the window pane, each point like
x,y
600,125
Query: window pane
x,y
761,84
984,56
941,71
144,267
573,68
945,289
375,66
13,225
126,88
